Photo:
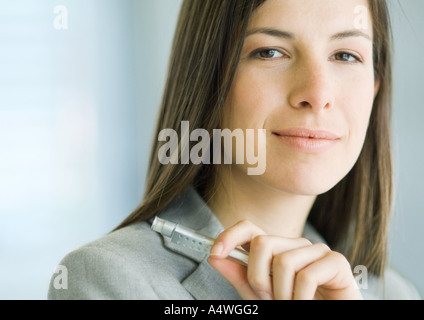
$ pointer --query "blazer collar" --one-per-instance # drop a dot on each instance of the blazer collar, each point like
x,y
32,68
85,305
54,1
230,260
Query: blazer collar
x,y
204,283
190,210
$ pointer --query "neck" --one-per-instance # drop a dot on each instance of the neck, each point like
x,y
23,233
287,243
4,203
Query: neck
x,y
241,197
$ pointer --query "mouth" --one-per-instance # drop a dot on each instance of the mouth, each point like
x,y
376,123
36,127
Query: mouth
x,y
307,134
307,140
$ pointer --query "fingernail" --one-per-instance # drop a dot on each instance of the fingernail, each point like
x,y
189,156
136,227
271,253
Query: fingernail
x,y
217,249
264,295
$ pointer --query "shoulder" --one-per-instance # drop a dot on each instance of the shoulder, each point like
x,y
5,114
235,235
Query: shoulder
x,y
124,264
392,286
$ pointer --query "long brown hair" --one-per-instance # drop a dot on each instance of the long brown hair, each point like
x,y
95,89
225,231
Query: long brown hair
x,y
353,216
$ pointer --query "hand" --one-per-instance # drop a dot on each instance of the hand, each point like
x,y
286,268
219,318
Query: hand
x,y
300,270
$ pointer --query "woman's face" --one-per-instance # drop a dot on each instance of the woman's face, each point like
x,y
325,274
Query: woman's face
x,y
306,76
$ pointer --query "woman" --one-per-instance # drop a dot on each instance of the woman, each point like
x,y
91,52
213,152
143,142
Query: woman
x,y
316,76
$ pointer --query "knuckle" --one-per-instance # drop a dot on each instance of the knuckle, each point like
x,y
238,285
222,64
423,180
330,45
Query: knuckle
x,y
305,242
259,241
304,276
283,262
249,226
322,246
337,256
340,258
256,282
245,223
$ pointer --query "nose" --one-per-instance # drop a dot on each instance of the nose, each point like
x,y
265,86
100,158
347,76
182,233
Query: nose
x,y
311,87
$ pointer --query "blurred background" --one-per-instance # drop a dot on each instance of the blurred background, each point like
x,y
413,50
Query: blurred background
x,y
80,86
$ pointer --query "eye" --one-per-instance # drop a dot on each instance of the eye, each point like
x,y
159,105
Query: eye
x,y
346,57
267,54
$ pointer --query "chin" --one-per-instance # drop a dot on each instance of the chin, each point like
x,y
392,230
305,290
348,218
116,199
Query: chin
x,y
304,185
307,190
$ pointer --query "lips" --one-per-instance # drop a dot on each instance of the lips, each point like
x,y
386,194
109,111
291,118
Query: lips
x,y
307,134
307,140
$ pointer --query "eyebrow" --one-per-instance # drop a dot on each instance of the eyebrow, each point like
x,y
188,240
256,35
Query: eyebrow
x,y
271,32
290,36
350,33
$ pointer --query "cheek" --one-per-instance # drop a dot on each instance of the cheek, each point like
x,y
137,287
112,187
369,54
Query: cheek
x,y
358,115
250,101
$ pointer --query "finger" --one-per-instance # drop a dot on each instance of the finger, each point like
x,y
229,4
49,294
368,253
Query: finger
x,y
239,234
228,240
236,276
263,250
259,267
287,264
331,274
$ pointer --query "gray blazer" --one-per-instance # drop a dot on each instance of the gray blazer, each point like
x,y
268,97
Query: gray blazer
x,y
138,263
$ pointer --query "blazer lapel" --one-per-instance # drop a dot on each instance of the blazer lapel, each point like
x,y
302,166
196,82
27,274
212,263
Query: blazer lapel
x,y
205,283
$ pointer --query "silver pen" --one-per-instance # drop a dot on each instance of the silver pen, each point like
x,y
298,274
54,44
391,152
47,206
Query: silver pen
x,y
193,240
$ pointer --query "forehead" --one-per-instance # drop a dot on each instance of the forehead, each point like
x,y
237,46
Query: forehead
x,y
316,16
